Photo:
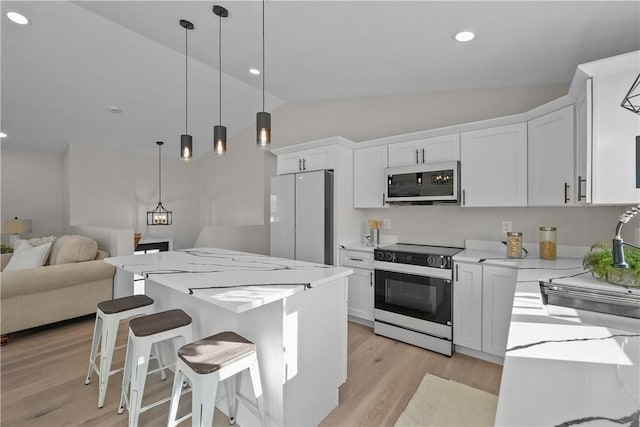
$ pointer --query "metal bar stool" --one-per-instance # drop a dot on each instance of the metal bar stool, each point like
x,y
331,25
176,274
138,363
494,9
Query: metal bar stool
x,y
144,332
206,362
108,316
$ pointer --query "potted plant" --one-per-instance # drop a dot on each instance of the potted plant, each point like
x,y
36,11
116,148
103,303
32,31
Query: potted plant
x,y
599,260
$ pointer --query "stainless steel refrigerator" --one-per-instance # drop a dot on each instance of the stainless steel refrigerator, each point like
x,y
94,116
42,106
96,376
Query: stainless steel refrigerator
x,y
302,216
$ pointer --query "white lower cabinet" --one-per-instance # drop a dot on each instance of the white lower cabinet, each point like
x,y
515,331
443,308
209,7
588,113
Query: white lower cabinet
x,y
361,289
498,287
482,304
467,306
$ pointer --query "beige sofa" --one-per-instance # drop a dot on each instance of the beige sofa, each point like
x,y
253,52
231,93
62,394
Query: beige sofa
x,y
71,283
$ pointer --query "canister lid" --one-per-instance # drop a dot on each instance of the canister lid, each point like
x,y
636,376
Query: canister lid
x,y
514,233
547,228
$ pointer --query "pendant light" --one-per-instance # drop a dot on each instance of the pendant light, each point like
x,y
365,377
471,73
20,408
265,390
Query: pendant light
x,y
186,140
159,215
263,119
632,100
219,131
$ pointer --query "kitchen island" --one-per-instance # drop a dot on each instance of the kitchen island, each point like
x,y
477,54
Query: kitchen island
x,y
576,368
294,311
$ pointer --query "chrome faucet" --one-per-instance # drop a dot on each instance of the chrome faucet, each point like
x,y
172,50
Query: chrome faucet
x,y
617,248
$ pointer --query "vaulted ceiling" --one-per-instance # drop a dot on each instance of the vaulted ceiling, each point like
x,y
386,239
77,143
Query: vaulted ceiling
x,y
62,72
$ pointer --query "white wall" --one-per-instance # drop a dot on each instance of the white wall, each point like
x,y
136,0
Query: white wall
x,y
114,188
32,189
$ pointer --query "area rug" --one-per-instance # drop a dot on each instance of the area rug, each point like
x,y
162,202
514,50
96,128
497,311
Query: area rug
x,y
442,402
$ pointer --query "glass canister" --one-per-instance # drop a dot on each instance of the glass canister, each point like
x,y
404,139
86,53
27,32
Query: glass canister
x,y
547,238
514,244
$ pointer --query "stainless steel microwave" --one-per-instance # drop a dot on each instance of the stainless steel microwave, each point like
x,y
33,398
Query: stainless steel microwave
x,y
424,184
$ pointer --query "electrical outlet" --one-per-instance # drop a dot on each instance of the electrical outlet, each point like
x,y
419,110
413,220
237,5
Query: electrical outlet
x,y
386,223
506,226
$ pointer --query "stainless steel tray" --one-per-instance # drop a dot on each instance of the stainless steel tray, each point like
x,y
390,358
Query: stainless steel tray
x,y
618,309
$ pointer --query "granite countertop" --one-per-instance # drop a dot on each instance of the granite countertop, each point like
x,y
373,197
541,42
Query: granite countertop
x,y
237,281
563,370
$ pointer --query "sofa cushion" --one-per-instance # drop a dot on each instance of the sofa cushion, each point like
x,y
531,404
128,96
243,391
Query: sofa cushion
x,y
68,249
27,256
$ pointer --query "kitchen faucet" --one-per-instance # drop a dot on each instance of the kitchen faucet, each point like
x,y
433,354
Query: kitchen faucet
x,y
618,243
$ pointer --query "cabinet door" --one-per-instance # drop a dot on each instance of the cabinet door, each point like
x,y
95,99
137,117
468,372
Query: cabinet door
x,y
493,166
550,160
361,294
368,177
440,149
317,158
289,163
467,305
613,140
498,288
583,146
428,150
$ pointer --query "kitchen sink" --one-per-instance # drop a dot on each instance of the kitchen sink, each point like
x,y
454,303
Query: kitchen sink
x,y
617,308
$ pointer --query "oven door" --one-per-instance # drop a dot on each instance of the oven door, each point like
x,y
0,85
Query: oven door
x,y
413,295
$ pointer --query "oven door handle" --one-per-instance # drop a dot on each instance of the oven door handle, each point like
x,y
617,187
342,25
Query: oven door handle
x,y
415,270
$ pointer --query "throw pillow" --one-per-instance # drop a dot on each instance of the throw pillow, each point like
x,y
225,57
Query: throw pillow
x,y
27,256
67,249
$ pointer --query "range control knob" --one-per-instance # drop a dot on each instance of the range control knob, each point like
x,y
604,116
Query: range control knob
x,y
430,261
380,255
388,256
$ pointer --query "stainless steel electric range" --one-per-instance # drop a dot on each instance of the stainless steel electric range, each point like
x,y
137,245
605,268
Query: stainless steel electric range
x,y
414,296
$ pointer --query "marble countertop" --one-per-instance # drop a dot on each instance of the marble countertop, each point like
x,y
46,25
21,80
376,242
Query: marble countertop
x,y
237,281
563,370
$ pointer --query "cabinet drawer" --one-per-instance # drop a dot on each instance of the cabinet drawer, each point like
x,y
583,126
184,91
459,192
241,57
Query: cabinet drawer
x,y
356,259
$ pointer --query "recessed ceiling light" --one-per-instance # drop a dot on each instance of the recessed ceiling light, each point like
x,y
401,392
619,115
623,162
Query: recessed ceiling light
x,y
465,36
17,17
3,135
254,71
115,109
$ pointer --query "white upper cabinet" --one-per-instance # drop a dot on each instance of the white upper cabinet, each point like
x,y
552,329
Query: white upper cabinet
x,y
428,150
306,160
368,176
493,164
606,132
550,159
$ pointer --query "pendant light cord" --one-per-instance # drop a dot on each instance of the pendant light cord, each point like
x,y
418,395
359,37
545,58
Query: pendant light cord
x,y
263,68
159,174
220,65
186,81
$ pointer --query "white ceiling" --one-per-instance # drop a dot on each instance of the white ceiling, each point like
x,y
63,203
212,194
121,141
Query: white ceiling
x,y
61,72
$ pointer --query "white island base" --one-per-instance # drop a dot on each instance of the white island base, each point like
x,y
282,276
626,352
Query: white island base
x,y
300,332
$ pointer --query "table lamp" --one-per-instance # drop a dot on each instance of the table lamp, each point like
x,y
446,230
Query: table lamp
x,y
15,227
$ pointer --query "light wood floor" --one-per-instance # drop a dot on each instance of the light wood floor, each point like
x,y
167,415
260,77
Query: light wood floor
x,y
43,371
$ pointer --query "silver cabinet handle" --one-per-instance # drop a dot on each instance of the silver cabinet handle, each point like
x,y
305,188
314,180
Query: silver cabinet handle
x,y
417,158
456,272
304,164
299,164
383,199
356,259
464,197
423,155
371,278
580,181
566,192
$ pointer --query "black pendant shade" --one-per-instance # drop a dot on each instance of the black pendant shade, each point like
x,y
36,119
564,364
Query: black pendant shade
x,y
263,129
219,140
219,131
263,119
186,141
159,215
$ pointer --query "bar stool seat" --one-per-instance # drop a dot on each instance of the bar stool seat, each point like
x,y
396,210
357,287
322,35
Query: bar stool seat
x,y
144,333
206,362
108,316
